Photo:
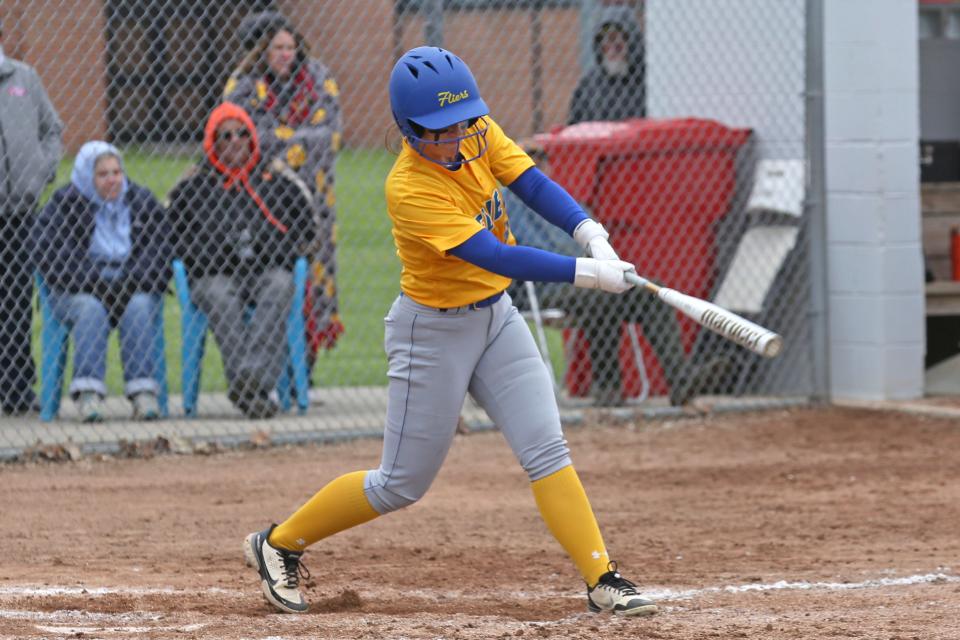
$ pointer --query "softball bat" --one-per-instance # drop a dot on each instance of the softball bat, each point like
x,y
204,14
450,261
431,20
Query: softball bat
x,y
717,319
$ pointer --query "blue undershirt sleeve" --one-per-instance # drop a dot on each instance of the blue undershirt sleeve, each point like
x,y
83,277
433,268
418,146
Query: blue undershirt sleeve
x,y
520,263
549,199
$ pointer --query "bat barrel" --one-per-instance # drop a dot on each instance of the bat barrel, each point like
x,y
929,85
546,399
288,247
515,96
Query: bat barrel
x,y
729,325
743,332
717,319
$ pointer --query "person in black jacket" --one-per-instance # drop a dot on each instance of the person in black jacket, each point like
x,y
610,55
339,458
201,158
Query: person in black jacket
x,y
614,89
239,227
101,245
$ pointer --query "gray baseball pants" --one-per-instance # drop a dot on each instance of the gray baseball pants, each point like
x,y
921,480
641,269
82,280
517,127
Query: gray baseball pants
x,y
257,348
435,358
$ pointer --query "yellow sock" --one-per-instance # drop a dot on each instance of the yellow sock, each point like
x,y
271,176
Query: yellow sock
x,y
338,506
565,508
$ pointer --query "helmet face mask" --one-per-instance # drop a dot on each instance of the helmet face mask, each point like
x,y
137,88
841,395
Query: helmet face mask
x,y
427,142
432,90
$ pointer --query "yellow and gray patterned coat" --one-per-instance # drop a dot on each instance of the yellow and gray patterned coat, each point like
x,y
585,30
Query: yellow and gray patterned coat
x,y
299,122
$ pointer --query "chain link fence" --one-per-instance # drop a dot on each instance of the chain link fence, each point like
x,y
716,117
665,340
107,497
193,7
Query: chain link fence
x,y
221,259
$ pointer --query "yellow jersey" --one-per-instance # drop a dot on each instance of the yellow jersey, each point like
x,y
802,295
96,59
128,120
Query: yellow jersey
x,y
434,209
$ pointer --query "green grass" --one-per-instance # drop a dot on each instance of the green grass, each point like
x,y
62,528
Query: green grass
x,y
368,279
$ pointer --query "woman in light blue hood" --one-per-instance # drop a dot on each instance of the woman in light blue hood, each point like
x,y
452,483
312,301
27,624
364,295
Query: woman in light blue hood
x,y
102,248
110,244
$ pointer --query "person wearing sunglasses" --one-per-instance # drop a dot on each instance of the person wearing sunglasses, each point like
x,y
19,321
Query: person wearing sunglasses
x,y
239,225
452,330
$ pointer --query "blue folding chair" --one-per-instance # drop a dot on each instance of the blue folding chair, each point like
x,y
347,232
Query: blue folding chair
x,y
53,358
194,332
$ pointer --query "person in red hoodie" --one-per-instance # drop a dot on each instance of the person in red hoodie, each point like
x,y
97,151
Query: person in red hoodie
x,y
239,226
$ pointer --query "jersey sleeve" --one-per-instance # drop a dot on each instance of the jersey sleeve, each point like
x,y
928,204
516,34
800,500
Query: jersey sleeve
x,y
507,160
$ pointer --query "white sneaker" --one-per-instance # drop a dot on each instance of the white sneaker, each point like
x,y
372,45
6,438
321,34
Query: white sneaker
x,y
90,405
280,571
145,406
617,594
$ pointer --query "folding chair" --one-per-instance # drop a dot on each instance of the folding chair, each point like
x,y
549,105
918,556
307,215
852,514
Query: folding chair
x,y
54,337
774,210
755,275
194,334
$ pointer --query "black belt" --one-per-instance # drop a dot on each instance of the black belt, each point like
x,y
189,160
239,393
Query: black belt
x,y
473,306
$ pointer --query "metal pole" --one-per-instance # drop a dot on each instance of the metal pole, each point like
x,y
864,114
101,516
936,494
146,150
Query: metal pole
x,y
536,64
541,334
815,204
588,13
400,10
433,28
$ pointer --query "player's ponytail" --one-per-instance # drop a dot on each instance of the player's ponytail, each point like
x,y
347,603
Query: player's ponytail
x,y
392,140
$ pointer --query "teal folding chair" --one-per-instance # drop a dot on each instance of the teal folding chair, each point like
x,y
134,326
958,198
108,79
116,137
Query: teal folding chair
x,y
194,335
54,337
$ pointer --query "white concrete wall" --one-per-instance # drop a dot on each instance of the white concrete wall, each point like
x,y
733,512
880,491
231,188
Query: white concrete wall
x,y
875,258
740,62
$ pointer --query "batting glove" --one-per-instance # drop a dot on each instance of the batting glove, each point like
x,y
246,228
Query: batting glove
x,y
591,235
603,274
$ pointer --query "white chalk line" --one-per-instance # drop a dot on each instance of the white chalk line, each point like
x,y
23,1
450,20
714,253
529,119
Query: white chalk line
x,y
26,591
73,615
73,622
77,630
660,594
48,620
783,585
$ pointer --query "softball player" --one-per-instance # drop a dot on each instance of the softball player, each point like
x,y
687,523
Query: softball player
x,y
453,330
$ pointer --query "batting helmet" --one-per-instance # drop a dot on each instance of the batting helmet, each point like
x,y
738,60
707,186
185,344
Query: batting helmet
x,y
431,88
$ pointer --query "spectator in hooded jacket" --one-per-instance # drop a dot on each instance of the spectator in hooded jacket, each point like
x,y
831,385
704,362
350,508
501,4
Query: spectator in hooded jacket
x,y
294,102
614,88
239,226
102,247
30,149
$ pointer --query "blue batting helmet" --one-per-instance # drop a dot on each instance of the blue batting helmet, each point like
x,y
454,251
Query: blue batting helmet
x,y
433,88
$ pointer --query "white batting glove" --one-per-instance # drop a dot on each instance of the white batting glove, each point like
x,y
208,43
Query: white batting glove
x,y
592,237
602,274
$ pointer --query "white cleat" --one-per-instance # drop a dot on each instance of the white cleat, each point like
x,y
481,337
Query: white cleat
x,y
615,593
280,571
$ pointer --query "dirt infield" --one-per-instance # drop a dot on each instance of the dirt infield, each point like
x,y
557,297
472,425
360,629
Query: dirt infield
x,y
801,524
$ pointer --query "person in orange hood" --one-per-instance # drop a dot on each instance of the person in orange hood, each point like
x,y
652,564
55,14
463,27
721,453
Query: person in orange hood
x,y
238,226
